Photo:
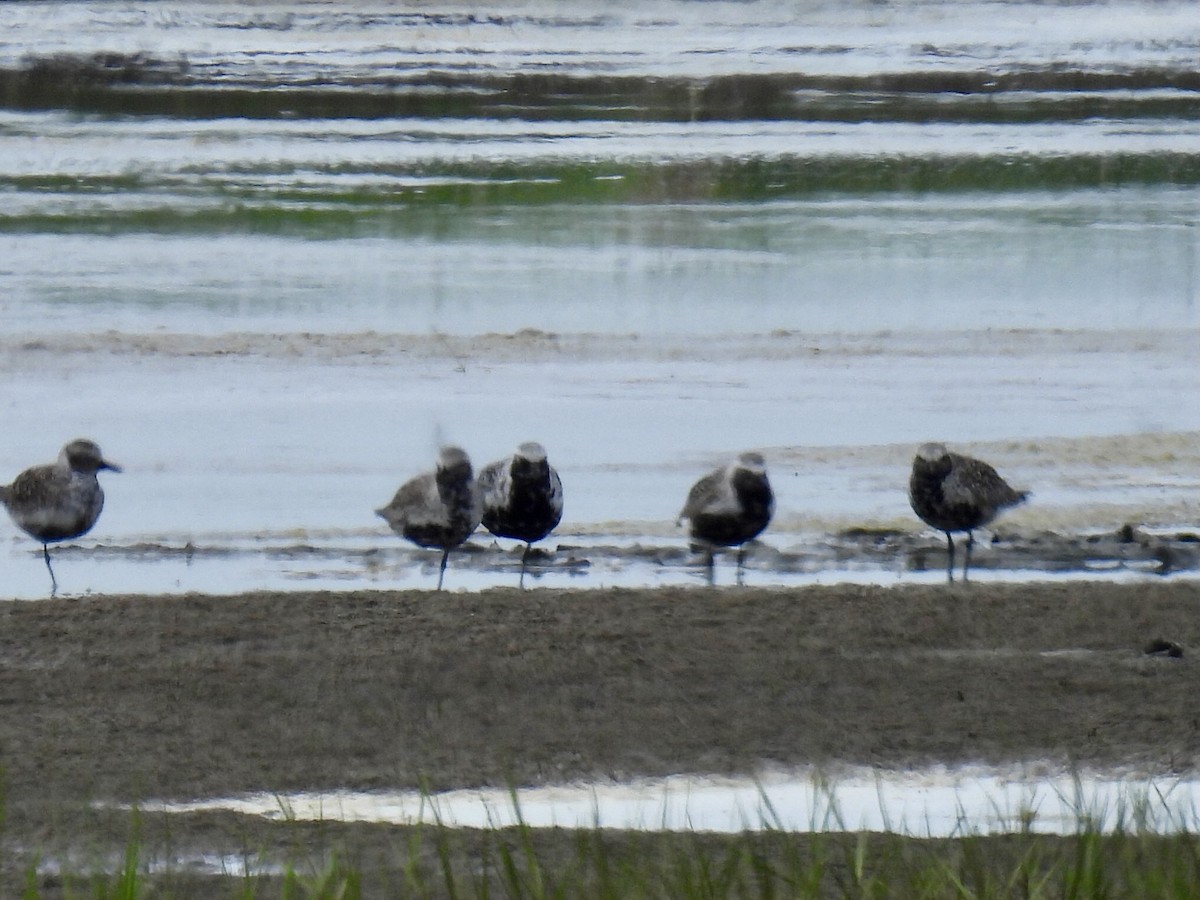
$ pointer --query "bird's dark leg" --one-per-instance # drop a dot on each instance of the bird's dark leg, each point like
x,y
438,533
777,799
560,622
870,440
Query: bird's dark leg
x,y
949,558
712,566
442,570
524,562
967,555
50,569
741,560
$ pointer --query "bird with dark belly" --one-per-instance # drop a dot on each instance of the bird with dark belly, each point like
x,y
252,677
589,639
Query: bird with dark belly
x,y
952,492
728,507
438,509
522,497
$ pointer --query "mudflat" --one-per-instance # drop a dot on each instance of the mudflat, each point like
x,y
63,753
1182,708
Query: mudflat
x,y
117,700
132,698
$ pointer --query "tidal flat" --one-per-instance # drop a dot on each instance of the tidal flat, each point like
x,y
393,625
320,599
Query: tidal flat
x,y
116,702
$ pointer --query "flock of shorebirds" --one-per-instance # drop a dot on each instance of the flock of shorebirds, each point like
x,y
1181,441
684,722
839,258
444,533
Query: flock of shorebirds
x,y
521,497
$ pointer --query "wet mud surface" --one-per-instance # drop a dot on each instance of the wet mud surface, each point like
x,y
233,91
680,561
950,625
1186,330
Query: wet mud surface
x,y
124,699
131,698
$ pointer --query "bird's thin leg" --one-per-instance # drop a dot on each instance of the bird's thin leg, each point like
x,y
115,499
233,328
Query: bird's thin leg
x,y
967,555
712,566
949,558
50,569
524,562
442,570
741,560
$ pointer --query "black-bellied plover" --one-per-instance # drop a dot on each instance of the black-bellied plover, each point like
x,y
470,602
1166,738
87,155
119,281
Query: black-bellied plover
x,y
437,509
728,507
59,501
522,497
952,492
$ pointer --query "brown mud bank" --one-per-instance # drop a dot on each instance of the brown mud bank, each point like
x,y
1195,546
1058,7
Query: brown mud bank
x,y
108,701
131,698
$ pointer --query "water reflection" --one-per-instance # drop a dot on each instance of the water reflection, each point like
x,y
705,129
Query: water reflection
x,y
937,802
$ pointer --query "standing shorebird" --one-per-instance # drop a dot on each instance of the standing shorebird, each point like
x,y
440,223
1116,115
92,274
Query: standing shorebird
x,y
952,492
437,509
728,507
522,497
59,501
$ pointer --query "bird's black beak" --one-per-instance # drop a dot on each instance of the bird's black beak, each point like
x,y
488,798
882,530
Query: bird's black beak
x,y
112,467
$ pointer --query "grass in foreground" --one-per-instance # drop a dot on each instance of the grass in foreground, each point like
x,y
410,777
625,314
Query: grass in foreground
x,y
340,860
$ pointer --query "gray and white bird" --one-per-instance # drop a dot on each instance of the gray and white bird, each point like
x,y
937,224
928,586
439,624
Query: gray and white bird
x,y
60,501
952,492
728,507
438,509
522,497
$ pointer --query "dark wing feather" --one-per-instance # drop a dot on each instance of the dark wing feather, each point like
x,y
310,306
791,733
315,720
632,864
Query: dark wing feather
x,y
974,482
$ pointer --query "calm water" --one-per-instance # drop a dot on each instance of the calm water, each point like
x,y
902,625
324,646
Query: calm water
x,y
268,254
935,802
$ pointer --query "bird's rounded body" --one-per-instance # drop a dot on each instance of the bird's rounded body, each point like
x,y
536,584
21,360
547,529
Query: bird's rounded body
x,y
522,495
438,509
730,505
62,500
952,492
59,501
51,504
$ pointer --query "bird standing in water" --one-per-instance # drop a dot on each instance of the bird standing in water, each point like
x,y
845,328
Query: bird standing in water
x,y
60,501
437,509
952,492
522,497
728,507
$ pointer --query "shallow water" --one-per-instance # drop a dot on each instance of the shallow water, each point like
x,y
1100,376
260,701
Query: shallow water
x,y
270,487
271,256
241,493
373,44
937,802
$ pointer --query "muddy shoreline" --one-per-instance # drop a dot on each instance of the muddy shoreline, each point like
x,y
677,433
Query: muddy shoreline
x,y
129,698
116,700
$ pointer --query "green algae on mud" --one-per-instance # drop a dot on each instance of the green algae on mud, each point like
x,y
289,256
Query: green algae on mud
x,y
266,201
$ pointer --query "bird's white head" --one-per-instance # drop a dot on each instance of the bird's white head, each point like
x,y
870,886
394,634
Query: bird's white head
x,y
932,452
532,451
752,461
